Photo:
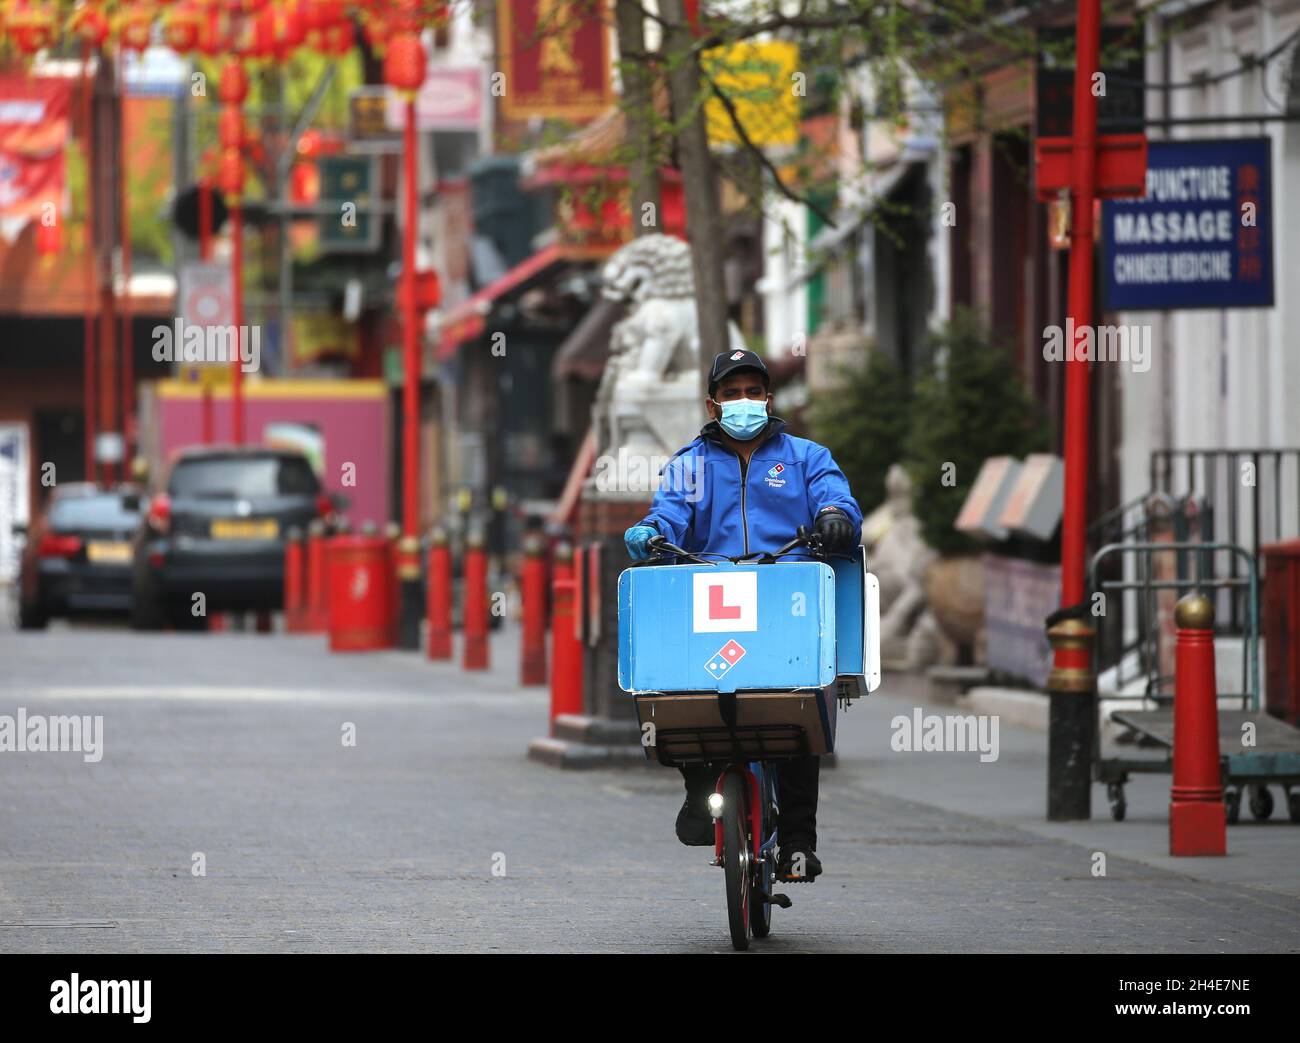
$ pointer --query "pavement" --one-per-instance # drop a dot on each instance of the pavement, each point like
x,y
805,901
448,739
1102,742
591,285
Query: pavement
x,y
434,832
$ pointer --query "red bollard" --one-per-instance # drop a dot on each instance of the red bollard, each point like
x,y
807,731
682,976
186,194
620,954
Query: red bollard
x,y
295,581
316,598
438,596
532,584
1197,818
360,594
566,646
475,625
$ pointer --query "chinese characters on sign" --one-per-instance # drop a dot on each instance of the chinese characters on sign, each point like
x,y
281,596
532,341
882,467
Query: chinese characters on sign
x,y
556,57
1201,237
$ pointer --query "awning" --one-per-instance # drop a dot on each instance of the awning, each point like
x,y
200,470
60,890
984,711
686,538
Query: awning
x,y
468,319
585,350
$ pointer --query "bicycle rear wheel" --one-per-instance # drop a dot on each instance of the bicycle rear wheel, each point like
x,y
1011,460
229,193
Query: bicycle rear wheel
x,y
736,858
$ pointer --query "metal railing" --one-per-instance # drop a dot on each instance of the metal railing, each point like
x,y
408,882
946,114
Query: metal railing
x,y
1252,494
1142,594
1154,518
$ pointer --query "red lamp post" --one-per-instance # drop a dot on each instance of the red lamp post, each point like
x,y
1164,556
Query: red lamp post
x,y
1073,164
88,335
232,91
134,36
404,69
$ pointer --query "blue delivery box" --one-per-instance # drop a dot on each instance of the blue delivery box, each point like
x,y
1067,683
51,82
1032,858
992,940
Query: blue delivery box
x,y
731,660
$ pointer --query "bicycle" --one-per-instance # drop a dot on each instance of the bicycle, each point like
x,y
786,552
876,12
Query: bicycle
x,y
775,715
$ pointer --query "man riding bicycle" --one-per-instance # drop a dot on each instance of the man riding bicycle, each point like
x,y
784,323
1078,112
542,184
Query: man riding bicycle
x,y
744,485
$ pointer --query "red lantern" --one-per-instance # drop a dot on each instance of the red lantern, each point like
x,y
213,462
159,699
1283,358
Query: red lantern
x,y
233,88
289,27
211,40
134,29
337,40
309,144
183,28
91,24
32,28
232,173
304,183
49,238
323,14
230,129
404,62
259,40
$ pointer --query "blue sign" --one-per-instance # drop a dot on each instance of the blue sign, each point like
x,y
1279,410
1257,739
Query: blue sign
x,y
1202,235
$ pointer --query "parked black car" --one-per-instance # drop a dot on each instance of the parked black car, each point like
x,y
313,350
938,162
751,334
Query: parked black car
x,y
78,554
219,529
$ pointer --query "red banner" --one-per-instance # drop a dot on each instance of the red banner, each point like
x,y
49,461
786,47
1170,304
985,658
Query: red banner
x,y
33,136
556,56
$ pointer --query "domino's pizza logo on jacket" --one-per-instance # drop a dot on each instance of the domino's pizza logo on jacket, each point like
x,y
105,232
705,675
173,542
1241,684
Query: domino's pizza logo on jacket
x,y
774,479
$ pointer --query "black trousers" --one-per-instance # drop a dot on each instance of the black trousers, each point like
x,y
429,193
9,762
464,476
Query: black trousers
x,y
797,784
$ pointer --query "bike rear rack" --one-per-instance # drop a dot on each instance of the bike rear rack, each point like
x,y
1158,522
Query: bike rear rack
x,y
757,742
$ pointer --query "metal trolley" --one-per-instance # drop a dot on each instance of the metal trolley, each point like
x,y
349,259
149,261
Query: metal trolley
x,y
1257,750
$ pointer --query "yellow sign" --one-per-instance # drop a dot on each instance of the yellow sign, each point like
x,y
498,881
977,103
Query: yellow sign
x,y
764,85
321,334
211,375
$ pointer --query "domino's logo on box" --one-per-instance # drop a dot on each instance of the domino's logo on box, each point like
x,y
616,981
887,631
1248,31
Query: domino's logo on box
x,y
724,602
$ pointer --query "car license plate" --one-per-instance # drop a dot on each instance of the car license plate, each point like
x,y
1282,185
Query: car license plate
x,y
245,529
108,552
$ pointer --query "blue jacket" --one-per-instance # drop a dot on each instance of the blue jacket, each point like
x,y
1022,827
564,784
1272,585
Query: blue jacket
x,y
709,500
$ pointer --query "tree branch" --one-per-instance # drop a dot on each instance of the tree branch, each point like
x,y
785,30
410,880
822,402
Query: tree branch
x,y
767,164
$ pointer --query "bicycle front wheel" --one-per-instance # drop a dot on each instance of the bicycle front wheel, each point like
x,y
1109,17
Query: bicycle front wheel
x,y
736,858
764,875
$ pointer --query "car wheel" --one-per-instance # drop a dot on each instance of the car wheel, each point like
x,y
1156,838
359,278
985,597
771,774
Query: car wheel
x,y
32,617
182,618
146,603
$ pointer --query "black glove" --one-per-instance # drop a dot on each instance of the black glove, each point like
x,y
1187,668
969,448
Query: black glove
x,y
835,529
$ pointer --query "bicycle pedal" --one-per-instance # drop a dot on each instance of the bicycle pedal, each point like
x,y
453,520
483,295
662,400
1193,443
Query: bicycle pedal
x,y
775,899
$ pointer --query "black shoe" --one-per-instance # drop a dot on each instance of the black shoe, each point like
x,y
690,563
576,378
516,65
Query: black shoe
x,y
799,864
693,828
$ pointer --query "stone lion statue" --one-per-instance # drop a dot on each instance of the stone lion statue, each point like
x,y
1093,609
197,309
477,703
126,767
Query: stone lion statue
x,y
648,402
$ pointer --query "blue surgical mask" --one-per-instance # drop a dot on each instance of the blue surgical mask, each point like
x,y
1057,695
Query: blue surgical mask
x,y
743,419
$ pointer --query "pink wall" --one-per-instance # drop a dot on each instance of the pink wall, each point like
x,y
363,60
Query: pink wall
x,y
353,425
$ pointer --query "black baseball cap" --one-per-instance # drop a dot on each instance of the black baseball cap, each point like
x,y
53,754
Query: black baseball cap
x,y
729,361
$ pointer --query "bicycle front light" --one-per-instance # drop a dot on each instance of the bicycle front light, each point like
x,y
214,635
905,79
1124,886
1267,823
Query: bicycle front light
x,y
715,805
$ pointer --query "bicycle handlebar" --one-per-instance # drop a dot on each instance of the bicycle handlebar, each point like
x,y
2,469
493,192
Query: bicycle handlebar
x,y
803,538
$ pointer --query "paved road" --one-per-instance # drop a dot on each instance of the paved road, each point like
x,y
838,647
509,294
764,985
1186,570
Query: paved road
x,y
231,746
